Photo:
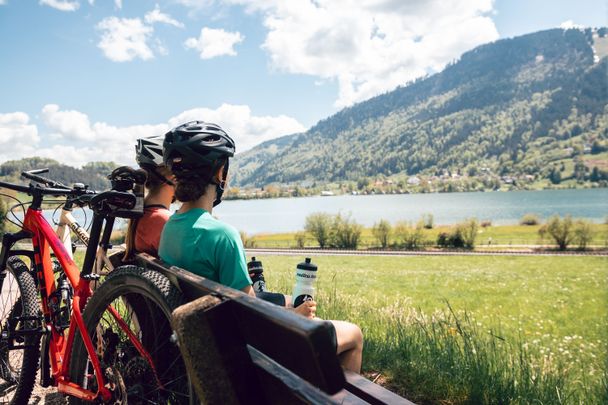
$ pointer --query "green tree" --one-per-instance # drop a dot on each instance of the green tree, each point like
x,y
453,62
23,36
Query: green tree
x,y
560,230
382,232
555,176
583,233
409,236
300,238
319,224
468,232
529,219
580,170
345,233
362,184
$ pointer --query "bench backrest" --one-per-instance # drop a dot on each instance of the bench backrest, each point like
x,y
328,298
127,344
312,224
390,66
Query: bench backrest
x,y
275,339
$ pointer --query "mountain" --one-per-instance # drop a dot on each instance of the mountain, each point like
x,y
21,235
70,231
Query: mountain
x,y
514,107
93,174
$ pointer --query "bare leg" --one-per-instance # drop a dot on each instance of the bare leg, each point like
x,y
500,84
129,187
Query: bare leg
x,y
350,345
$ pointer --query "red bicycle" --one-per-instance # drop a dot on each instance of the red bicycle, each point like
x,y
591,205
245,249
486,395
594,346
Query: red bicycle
x,y
114,345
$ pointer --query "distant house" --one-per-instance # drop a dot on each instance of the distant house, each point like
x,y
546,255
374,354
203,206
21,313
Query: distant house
x,y
326,193
413,181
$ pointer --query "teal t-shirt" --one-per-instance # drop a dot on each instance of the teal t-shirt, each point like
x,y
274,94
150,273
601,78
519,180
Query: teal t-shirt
x,y
197,242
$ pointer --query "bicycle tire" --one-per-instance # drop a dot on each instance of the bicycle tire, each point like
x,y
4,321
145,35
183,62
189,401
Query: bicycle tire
x,y
19,381
145,299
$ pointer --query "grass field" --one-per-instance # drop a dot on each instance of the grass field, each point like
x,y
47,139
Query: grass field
x,y
500,235
471,329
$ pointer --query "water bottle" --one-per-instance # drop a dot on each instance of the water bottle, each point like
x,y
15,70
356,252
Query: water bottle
x,y
304,290
254,267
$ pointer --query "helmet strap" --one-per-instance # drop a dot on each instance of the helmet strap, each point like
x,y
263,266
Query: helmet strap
x,y
220,185
162,178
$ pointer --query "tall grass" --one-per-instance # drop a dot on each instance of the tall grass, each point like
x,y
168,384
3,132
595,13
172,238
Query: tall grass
x,y
449,358
464,330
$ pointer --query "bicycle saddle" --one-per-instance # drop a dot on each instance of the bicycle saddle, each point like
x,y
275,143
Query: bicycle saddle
x,y
115,203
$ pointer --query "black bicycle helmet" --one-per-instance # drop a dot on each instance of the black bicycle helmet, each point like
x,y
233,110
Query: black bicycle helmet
x,y
196,144
149,151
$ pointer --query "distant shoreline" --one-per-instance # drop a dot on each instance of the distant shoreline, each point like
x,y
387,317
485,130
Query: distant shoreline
x,y
335,193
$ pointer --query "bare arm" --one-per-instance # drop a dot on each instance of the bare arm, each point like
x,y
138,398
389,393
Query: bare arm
x,y
248,290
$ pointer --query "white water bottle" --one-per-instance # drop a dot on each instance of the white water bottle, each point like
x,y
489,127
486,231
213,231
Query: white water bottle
x,y
304,290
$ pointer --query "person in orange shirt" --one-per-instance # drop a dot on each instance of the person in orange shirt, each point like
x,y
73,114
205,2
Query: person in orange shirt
x,y
143,234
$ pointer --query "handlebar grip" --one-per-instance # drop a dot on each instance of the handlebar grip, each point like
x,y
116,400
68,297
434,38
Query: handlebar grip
x,y
32,175
37,171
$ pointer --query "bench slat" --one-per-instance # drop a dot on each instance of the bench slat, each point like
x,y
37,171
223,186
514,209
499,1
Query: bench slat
x,y
282,386
371,392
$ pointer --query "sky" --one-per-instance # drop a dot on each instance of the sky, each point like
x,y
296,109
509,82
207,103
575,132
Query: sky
x,y
82,79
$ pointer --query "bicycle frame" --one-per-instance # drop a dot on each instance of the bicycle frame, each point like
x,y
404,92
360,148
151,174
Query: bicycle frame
x,y
68,223
44,241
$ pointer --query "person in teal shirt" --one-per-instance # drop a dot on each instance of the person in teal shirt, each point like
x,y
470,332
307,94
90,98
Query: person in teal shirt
x,y
198,153
195,240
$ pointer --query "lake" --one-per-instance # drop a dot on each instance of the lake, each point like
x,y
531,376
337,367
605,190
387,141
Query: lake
x,y
288,214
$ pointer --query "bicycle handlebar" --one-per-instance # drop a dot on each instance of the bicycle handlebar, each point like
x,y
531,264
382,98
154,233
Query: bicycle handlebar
x,y
31,189
33,175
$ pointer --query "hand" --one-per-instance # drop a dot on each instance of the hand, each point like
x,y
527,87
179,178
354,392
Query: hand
x,y
307,309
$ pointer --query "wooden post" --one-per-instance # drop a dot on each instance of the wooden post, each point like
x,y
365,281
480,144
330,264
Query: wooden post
x,y
215,353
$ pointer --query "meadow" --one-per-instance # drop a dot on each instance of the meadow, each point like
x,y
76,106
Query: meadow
x,y
455,330
503,235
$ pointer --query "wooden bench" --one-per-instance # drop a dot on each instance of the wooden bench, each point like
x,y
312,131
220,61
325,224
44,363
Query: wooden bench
x,y
239,349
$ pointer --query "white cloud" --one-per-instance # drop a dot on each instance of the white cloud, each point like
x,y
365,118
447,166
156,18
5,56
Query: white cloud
x,y
246,129
62,5
215,42
156,16
124,39
118,3
71,125
569,24
70,137
370,46
17,136
3,2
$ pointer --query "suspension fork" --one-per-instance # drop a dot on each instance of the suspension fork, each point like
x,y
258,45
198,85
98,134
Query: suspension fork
x,y
8,241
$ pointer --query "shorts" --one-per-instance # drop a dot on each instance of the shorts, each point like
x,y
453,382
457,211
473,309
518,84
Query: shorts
x,y
279,299
273,298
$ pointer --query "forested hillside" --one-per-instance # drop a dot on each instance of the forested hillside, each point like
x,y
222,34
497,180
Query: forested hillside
x,y
533,106
93,174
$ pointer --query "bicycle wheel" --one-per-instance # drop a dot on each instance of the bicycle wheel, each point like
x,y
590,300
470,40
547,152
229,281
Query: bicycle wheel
x,y
144,299
19,338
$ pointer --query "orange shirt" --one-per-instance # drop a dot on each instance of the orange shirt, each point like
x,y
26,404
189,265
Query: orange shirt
x,y
149,228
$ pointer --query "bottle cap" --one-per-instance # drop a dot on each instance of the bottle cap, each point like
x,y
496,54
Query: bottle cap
x,y
254,265
307,265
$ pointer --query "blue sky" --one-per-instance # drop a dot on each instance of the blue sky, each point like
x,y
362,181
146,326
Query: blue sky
x,y
82,79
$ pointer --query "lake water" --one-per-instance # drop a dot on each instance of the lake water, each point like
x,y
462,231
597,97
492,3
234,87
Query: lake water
x,y
288,214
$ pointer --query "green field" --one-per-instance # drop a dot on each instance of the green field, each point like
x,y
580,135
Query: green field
x,y
520,329
504,235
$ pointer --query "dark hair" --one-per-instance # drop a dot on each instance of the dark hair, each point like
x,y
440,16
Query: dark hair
x,y
191,186
155,177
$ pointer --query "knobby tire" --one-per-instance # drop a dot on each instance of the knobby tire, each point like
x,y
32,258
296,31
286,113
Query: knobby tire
x,y
145,299
17,380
